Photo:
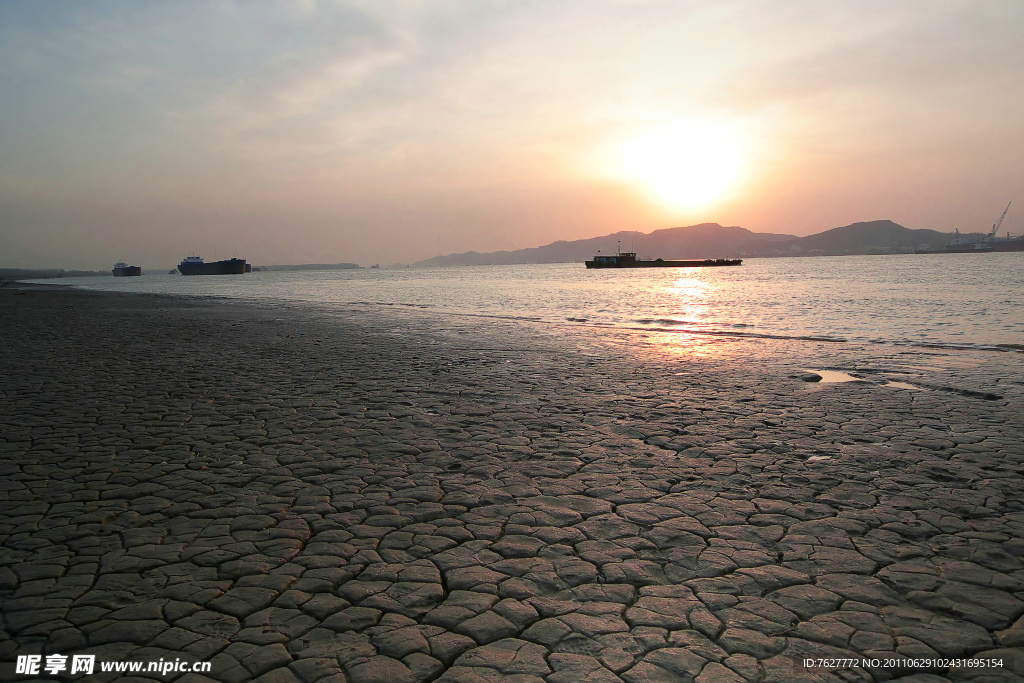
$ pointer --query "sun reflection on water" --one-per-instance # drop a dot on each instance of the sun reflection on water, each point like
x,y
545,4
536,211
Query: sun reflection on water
x,y
687,296
690,300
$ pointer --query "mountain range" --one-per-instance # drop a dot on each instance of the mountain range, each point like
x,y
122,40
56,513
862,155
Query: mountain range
x,y
711,240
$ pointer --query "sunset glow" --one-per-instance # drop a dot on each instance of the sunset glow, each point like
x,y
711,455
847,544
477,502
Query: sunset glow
x,y
316,131
689,165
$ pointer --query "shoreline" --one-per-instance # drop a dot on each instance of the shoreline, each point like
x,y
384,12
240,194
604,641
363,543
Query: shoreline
x,y
295,496
954,315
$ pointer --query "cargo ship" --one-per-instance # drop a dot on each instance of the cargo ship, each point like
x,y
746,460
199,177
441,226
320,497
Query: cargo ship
x,y
968,244
628,259
959,245
194,265
122,269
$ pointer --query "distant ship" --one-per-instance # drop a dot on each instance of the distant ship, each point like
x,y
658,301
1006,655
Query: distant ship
x,y
194,265
122,269
960,244
628,259
965,244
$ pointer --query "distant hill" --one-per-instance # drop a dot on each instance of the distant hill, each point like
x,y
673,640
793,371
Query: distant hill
x,y
710,240
47,273
867,238
707,240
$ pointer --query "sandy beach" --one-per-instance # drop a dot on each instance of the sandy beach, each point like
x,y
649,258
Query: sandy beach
x,y
296,495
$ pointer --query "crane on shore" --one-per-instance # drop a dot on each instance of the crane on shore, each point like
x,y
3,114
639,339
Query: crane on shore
x,y
998,223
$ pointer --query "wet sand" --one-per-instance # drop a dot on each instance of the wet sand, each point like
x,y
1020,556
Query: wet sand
x,y
297,496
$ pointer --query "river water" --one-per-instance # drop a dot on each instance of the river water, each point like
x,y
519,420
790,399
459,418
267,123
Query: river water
x,y
970,301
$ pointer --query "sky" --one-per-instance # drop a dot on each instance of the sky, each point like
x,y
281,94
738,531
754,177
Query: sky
x,y
380,131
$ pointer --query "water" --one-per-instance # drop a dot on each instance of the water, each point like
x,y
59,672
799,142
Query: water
x,y
951,300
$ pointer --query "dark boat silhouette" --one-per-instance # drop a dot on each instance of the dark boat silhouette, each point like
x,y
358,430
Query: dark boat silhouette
x,y
628,259
122,269
194,265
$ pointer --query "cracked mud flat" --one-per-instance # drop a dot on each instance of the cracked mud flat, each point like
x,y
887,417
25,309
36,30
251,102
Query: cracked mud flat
x,y
301,497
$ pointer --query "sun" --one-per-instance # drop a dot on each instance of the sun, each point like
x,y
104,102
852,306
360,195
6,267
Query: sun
x,y
688,165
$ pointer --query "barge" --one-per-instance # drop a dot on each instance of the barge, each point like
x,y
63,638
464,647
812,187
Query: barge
x,y
628,259
122,269
194,265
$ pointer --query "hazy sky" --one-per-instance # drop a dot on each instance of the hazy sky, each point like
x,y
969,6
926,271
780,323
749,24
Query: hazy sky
x,y
314,131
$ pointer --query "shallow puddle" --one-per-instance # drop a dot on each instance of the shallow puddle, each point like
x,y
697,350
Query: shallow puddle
x,y
904,385
834,376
